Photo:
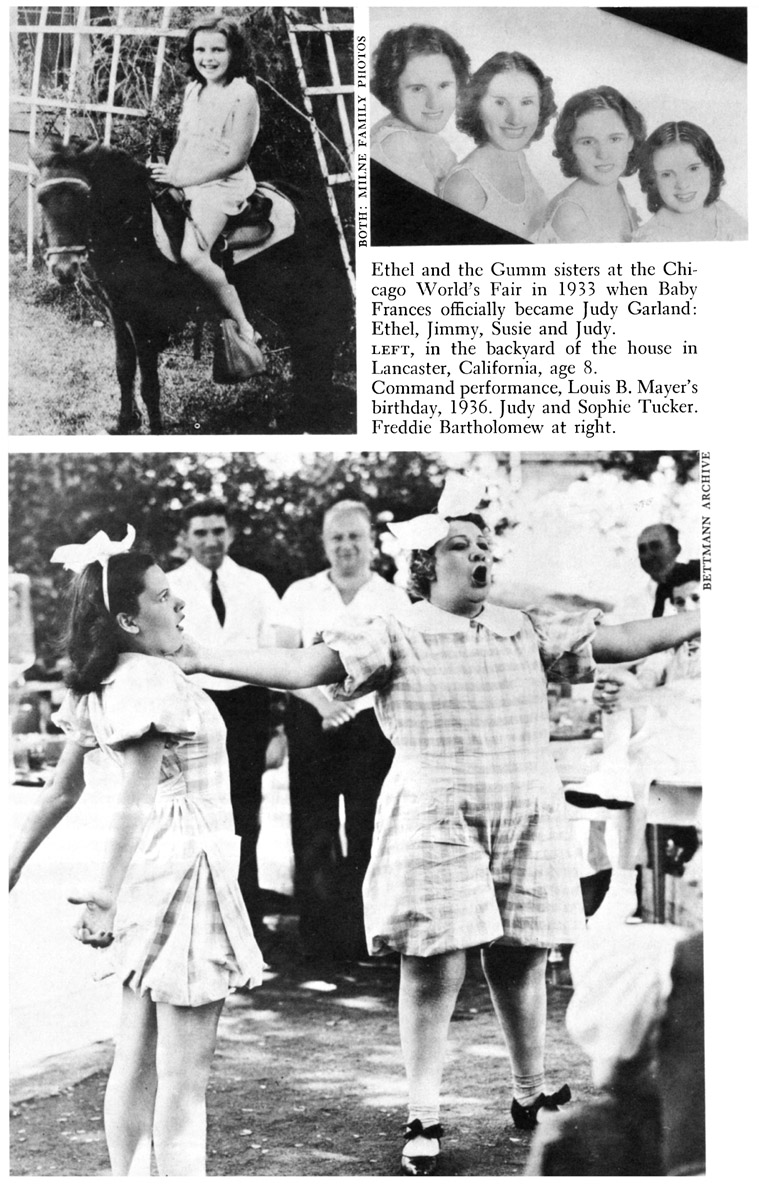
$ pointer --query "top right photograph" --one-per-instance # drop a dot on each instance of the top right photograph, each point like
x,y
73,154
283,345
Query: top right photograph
x,y
558,125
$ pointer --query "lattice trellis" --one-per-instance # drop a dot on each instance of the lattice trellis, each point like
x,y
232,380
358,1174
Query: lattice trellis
x,y
48,25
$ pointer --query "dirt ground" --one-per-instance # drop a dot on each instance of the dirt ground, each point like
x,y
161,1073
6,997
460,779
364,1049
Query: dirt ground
x,y
69,387
308,1081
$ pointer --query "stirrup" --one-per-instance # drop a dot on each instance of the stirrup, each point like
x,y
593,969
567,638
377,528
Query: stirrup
x,y
527,1119
420,1166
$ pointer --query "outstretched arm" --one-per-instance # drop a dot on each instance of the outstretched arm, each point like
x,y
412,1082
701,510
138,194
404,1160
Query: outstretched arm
x,y
55,800
636,639
284,670
142,767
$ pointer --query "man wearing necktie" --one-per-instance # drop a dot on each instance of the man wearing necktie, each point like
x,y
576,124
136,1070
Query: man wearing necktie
x,y
228,605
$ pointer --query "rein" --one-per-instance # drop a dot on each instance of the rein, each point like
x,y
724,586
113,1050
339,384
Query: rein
x,y
53,183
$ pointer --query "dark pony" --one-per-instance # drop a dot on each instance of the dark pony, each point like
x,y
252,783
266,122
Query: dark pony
x,y
96,206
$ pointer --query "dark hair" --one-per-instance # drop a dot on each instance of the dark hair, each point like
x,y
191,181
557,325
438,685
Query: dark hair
x,y
685,133
205,508
238,49
421,566
93,638
469,119
600,98
672,532
396,49
684,574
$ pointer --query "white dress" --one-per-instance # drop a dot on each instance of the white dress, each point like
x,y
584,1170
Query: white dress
x,y
182,933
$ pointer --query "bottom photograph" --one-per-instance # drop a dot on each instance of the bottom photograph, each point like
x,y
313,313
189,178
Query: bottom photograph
x,y
355,814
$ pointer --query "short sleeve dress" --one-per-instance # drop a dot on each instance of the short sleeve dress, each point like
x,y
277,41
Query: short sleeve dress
x,y
471,842
206,135
181,932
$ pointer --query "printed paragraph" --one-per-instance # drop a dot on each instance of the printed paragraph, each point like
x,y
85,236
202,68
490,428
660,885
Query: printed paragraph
x,y
565,349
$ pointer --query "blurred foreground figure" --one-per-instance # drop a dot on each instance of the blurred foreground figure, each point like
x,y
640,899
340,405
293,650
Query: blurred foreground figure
x,y
638,1012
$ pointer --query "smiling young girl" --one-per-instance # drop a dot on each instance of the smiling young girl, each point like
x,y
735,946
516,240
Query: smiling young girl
x,y
163,885
504,108
417,72
217,130
472,847
682,173
598,137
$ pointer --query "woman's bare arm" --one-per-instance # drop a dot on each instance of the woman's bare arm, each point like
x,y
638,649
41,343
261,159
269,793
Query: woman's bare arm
x,y
636,639
284,670
55,800
139,782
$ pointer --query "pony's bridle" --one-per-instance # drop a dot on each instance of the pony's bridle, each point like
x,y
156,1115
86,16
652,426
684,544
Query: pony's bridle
x,y
52,183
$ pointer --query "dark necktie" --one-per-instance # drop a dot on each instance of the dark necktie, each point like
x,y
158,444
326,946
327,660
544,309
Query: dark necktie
x,y
217,599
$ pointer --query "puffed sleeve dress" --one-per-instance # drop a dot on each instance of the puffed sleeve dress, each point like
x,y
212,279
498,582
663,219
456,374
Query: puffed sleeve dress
x,y
181,932
471,842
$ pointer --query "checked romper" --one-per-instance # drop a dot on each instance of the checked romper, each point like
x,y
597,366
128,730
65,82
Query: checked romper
x,y
471,840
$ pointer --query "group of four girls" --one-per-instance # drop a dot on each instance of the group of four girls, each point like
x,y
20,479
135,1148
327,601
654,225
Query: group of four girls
x,y
421,75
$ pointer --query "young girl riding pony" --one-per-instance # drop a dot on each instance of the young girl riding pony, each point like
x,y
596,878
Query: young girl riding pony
x,y
217,129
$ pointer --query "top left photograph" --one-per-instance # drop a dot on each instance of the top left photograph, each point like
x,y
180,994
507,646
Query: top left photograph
x,y
182,246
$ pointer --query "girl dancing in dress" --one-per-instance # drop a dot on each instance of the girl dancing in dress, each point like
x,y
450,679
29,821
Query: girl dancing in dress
x,y
163,892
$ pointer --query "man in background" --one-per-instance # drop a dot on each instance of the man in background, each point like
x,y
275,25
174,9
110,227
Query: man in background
x,y
228,605
337,750
658,549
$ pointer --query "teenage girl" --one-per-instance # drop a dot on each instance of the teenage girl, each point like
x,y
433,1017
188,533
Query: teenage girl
x,y
217,129
417,72
163,891
598,137
504,108
682,174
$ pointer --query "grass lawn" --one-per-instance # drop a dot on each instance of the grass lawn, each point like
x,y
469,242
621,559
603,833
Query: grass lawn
x,y
63,374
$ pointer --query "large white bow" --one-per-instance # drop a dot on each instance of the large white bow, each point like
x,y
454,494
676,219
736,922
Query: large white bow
x,y
76,556
461,494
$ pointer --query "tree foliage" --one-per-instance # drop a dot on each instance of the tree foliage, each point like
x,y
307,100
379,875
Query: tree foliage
x,y
58,498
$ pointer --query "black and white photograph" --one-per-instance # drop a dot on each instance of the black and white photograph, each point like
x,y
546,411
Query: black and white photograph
x,y
355,813
182,220
558,125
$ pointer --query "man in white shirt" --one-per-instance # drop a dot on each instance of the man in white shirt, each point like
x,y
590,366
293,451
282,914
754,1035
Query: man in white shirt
x,y
337,750
228,605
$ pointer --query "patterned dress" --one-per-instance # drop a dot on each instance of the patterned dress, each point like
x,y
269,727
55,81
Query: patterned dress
x,y
182,933
471,841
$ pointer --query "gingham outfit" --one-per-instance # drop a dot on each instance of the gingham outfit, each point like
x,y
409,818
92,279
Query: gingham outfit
x,y
471,840
181,930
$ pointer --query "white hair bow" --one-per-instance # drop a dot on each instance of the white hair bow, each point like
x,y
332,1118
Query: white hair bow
x,y
461,494
75,557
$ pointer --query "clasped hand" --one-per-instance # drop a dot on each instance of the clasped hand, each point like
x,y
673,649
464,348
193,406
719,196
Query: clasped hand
x,y
160,173
95,924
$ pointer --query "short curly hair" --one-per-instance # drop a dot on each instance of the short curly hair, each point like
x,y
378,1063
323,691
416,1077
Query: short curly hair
x,y
685,133
396,49
600,98
469,119
421,568
236,43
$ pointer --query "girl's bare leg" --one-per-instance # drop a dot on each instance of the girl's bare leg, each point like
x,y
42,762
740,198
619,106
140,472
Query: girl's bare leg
x,y
186,1041
428,992
130,1094
516,977
197,256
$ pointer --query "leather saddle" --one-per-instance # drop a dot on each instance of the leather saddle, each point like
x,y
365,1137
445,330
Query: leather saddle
x,y
251,227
